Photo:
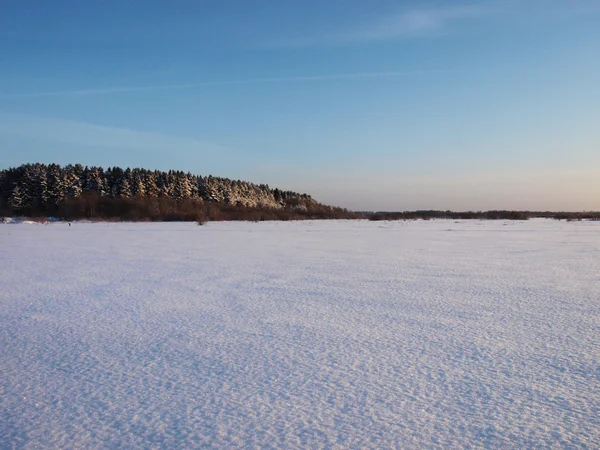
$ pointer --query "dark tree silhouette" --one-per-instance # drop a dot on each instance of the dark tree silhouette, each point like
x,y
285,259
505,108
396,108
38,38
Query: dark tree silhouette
x,y
74,191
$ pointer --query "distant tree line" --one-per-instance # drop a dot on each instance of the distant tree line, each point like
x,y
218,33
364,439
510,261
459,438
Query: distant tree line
x,y
432,214
483,215
77,192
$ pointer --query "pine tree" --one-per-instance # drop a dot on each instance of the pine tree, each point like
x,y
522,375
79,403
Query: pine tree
x,y
114,177
182,189
94,181
152,189
16,200
138,187
71,180
56,185
124,188
28,185
43,193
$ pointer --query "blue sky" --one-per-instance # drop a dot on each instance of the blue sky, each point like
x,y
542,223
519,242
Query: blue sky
x,y
388,105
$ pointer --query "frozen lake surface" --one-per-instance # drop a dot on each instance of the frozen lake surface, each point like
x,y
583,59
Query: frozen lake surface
x,y
300,335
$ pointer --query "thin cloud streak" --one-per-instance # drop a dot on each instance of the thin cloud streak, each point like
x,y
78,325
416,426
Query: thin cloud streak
x,y
86,134
100,91
166,87
418,22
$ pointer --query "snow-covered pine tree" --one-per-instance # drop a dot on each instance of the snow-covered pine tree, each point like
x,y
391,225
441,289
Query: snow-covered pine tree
x,y
138,188
16,200
71,177
43,192
182,189
124,188
56,185
93,181
150,183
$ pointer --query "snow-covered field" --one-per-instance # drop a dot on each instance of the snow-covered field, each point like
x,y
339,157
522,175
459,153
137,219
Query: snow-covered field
x,y
300,335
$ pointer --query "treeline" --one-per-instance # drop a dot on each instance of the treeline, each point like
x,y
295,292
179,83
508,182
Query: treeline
x,y
484,215
427,215
77,192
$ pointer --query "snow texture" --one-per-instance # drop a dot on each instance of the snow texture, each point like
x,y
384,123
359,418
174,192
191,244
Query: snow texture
x,y
354,334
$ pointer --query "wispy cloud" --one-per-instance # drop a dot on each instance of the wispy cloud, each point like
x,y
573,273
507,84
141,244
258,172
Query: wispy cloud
x,y
98,91
165,87
90,135
410,23
419,22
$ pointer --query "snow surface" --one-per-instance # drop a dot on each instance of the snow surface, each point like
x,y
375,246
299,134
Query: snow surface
x,y
300,335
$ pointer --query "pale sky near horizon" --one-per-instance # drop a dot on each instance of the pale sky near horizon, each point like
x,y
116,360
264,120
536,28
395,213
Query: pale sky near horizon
x,y
369,105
